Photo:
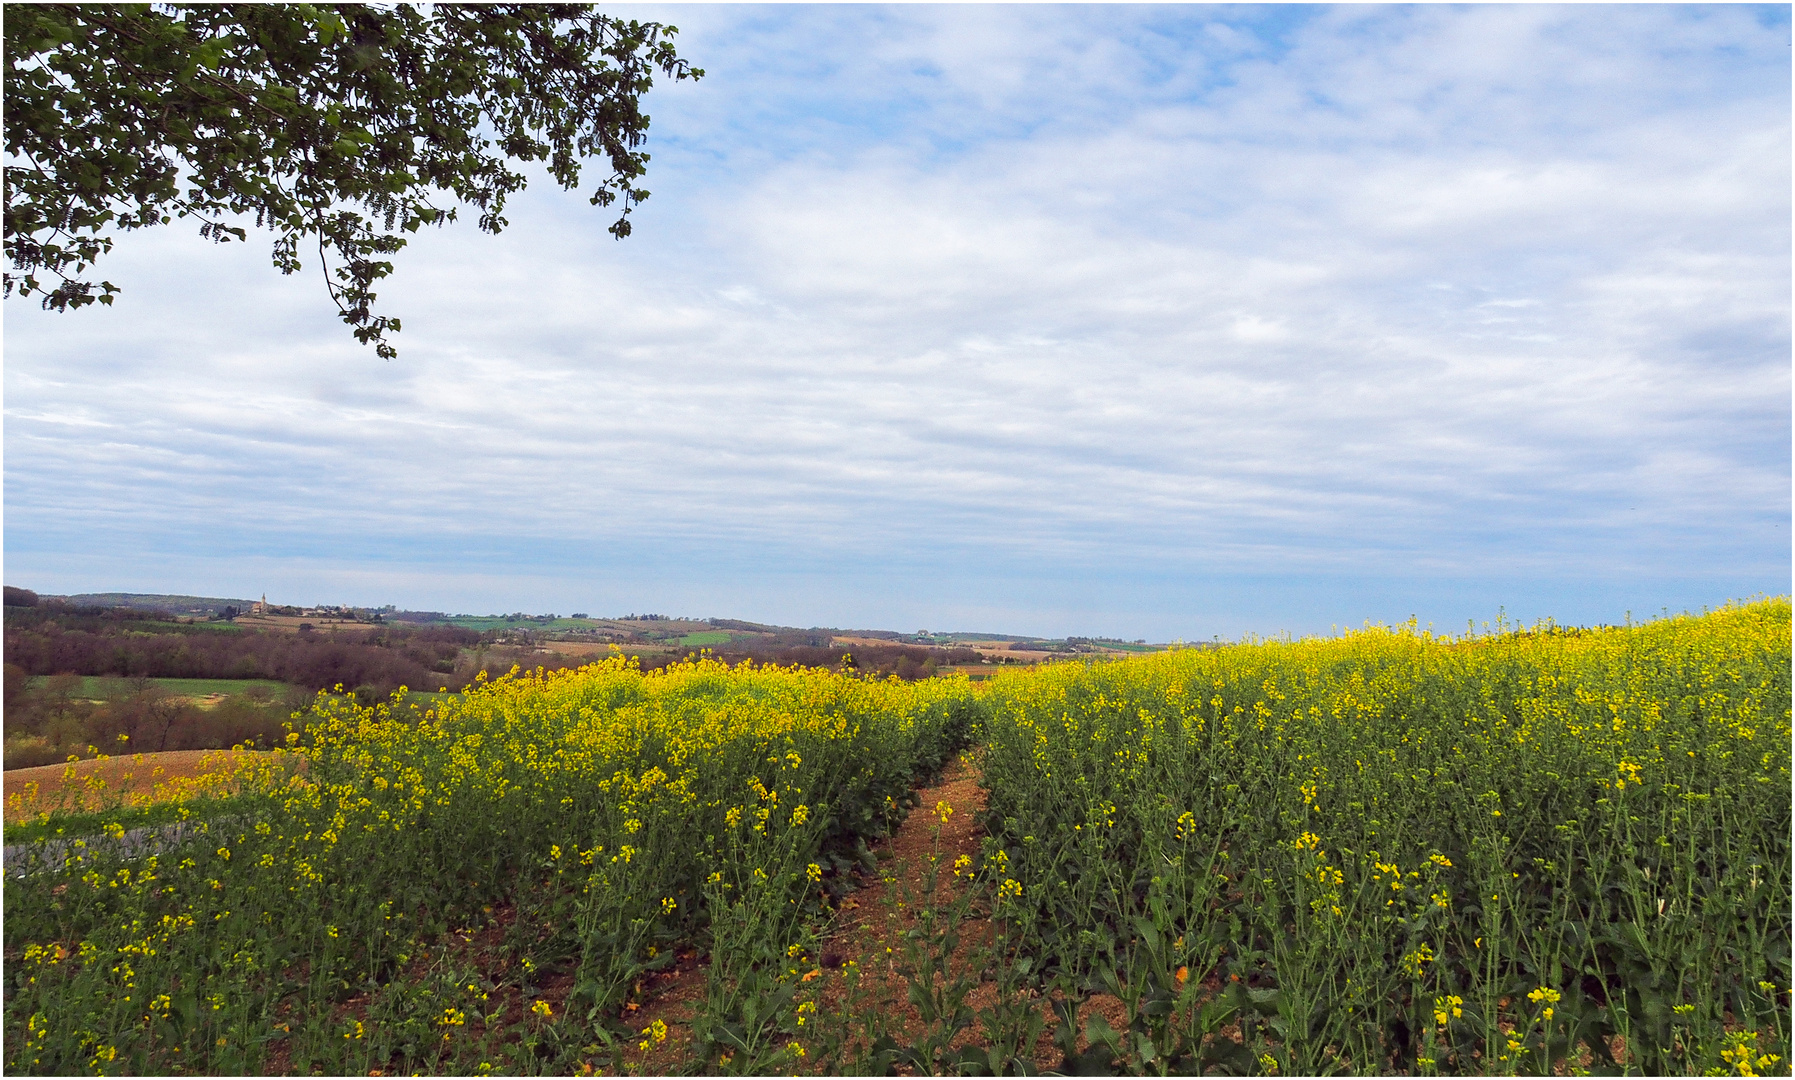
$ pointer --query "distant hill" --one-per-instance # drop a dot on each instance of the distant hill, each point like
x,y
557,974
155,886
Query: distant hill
x,y
628,628
170,605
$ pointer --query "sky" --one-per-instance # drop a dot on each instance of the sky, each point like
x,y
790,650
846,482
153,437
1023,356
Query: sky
x,y
1151,322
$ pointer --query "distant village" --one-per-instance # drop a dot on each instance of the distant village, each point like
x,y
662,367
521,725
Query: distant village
x,y
262,609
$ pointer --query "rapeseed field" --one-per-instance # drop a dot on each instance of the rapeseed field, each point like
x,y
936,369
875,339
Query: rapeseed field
x,y
1390,851
1544,851
614,812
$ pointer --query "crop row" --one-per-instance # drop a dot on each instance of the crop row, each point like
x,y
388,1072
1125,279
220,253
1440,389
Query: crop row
x,y
1536,851
1394,851
610,813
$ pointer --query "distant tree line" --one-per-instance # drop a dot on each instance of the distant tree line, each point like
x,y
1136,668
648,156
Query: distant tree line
x,y
52,639
51,645
737,624
48,719
813,650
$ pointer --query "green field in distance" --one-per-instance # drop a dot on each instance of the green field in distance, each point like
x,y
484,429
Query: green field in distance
x,y
113,687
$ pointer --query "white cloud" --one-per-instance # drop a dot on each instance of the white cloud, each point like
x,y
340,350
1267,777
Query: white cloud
x,y
1391,292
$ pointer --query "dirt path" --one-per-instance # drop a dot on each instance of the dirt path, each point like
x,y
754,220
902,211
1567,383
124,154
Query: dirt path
x,y
868,932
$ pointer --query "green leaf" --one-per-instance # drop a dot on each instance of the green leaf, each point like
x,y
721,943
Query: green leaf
x,y
241,102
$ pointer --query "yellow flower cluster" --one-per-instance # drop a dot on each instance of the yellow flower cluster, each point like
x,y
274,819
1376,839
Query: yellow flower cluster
x,y
634,799
1395,808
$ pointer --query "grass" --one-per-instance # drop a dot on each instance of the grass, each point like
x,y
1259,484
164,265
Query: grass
x,y
1129,647
707,637
170,626
112,688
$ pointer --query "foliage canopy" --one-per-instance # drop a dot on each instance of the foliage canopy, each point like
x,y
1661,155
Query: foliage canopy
x,y
342,125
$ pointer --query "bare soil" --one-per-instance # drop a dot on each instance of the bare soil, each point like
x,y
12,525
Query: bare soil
x,y
868,932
